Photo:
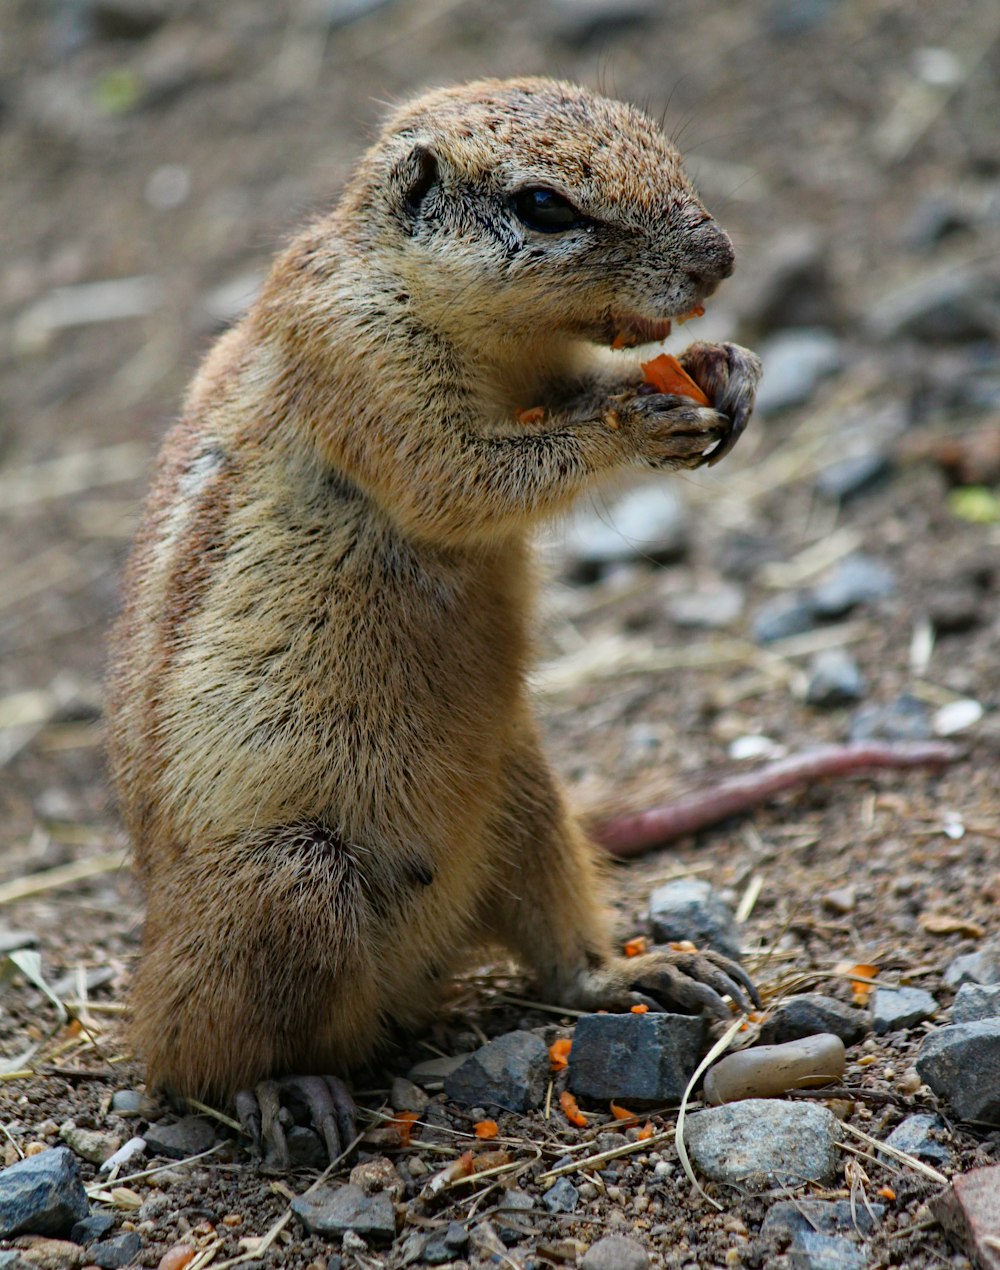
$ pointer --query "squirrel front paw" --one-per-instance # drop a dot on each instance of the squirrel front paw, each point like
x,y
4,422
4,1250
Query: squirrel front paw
x,y
665,980
673,432
728,374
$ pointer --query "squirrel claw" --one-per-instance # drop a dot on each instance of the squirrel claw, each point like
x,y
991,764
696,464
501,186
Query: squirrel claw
x,y
272,1106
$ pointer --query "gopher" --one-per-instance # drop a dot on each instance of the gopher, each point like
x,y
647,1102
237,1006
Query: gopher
x,y
319,727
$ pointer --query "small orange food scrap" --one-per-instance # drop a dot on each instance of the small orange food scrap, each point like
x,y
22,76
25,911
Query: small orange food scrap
x,y
887,1192
534,414
682,945
697,312
559,1054
571,1110
646,1131
403,1123
177,1257
636,947
639,1009
623,1114
486,1128
860,976
666,374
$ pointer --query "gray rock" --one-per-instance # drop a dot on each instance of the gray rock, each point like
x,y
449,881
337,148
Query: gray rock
x,y
914,1136
42,1195
11,1259
115,1252
512,1220
894,1008
91,1228
647,523
962,1063
810,1251
510,1072
789,285
782,617
711,608
432,1071
445,1245
978,967
128,1102
956,607
944,305
127,19
820,1216
976,1001
642,1057
330,1211
188,1136
615,1252
834,678
795,363
903,719
688,908
561,1197
795,17
809,1014
852,476
88,1144
765,1142
579,23
406,1096
934,218
854,580
11,939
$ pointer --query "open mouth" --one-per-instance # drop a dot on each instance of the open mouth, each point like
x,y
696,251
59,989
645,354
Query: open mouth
x,y
628,330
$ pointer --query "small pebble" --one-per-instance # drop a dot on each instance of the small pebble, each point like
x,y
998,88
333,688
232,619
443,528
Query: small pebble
x,y
763,1071
899,1008
962,1064
690,908
956,716
808,1013
834,678
615,1252
915,1136
782,617
795,363
854,580
904,719
975,1001
763,1141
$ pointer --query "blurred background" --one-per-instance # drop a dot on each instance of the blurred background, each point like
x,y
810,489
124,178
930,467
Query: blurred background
x,y
153,155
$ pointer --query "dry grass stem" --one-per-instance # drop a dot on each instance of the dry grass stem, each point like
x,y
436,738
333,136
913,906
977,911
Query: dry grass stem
x,y
911,1161
63,875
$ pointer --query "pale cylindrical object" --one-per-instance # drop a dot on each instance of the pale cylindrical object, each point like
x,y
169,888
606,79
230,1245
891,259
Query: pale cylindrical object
x,y
766,1070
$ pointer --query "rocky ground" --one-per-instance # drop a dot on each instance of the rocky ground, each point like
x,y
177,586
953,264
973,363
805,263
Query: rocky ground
x,y
836,578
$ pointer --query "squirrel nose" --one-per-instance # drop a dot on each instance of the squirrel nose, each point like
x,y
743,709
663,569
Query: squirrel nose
x,y
711,257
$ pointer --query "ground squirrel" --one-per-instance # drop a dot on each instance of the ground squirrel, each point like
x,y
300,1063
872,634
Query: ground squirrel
x,y
319,727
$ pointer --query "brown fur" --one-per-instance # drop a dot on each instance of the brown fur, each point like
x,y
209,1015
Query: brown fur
x,y
319,727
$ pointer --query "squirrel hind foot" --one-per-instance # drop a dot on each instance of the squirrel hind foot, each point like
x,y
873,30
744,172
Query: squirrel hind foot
x,y
273,1106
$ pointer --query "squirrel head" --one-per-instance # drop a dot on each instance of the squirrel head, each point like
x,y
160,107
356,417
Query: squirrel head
x,y
568,211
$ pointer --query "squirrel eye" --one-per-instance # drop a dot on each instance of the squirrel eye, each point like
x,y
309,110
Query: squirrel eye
x,y
546,211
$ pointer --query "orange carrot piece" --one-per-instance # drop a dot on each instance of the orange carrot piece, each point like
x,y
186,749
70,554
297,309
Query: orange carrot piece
x,y
403,1122
646,1131
534,414
639,1009
559,1054
486,1128
666,375
636,947
571,1110
624,1115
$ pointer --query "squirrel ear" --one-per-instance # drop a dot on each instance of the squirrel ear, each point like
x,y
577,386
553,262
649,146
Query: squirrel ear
x,y
417,174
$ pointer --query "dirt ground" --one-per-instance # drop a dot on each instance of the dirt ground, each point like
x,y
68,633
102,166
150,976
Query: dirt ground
x,y
175,144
